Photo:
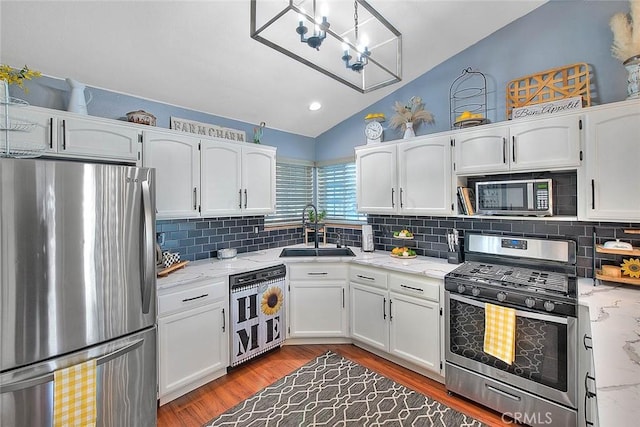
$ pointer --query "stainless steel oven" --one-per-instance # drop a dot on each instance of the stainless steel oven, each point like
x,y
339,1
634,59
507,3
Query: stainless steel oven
x,y
536,278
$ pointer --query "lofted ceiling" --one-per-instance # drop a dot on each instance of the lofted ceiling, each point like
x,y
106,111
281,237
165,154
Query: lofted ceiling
x,y
199,55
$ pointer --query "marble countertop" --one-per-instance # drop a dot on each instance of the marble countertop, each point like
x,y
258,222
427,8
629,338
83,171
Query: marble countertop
x,y
614,311
212,267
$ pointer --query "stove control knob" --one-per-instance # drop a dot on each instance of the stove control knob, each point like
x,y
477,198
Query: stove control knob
x,y
461,288
530,302
549,306
475,291
501,296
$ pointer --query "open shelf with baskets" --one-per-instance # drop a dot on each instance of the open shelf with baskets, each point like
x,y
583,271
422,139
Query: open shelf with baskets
x,y
619,277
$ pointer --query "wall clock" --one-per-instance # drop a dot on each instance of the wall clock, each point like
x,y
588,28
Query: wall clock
x,y
373,131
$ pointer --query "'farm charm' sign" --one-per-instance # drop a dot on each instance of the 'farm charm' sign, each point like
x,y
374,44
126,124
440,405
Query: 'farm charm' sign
x,y
206,129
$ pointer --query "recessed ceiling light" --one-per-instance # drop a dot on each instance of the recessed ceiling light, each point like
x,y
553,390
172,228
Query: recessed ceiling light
x,y
314,106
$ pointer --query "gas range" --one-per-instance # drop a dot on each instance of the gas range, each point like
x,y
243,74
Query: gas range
x,y
528,273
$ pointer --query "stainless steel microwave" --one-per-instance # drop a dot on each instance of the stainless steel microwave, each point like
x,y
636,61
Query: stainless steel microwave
x,y
521,197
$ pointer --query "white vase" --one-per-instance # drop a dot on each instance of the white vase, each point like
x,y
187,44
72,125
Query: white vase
x,y
408,131
633,80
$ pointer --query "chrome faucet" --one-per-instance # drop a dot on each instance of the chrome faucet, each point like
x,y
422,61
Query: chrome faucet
x,y
315,217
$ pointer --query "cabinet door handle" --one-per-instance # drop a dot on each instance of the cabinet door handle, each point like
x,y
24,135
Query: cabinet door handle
x,y
513,148
390,310
401,202
384,308
342,297
584,342
393,205
593,194
224,321
51,133
195,298
64,134
195,198
245,198
588,392
240,197
412,288
504,150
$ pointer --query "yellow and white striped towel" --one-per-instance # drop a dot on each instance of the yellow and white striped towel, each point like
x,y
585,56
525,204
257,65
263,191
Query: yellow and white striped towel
x,y
74,400
500,332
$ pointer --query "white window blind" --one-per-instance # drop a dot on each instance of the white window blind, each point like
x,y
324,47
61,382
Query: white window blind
x,y
294,189
337,192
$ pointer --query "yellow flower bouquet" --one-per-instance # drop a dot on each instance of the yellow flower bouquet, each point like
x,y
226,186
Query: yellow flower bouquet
x,y
17,77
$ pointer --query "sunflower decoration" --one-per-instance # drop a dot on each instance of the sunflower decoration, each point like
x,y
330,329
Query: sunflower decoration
x,y
631,267
271,301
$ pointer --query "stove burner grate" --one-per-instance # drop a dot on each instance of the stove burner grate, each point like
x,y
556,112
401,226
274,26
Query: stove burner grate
x,y
518,277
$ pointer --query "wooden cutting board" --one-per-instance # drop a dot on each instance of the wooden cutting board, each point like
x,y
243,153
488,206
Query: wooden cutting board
x,y
165,272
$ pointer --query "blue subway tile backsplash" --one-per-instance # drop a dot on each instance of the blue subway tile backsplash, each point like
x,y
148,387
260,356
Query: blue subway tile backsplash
x,y
201,238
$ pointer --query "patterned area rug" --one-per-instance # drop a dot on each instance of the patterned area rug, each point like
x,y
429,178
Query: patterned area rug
x,y
334,391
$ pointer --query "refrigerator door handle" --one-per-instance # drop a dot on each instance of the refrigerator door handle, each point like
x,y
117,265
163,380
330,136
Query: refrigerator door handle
x,y
148,248
48,377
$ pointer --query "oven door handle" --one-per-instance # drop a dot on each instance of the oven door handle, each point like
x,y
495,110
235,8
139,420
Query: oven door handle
x,y
521,313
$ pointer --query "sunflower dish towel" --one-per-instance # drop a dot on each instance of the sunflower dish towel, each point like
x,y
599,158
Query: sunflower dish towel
x,y
500,332
74,395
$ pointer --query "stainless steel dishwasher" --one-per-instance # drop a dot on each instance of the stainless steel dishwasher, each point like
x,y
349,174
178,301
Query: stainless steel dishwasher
x,y
257,312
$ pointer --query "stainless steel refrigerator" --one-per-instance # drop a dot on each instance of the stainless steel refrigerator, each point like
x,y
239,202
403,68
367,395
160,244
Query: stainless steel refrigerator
x,y
77,277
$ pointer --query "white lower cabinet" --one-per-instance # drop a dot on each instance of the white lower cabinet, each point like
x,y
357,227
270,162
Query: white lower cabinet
x,y
397,313
193,339
587,398
414,330
317,300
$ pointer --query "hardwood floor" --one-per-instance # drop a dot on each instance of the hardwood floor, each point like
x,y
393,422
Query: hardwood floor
x,y
205,403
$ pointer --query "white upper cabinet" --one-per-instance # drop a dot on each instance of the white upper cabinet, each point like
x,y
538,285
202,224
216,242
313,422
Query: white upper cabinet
x,y
206,178
88,137
177,162
412,177
481,151
520,146
376,179
63,134
221,179
424,176
237,180
546,144
612,185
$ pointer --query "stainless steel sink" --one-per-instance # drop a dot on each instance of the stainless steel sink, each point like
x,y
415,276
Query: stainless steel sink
x,y
297,252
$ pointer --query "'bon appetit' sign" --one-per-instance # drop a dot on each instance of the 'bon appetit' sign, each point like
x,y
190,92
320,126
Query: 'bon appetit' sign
x,y
206,129
547,107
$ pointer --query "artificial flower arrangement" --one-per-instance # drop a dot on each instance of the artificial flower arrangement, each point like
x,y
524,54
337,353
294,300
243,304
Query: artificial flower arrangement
x,y
411,112
17,77
626,32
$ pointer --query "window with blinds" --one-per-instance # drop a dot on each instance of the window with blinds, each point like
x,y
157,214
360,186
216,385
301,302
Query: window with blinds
x,y
294,189
337,192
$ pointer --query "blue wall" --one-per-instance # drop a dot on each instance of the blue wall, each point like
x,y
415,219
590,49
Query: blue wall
x,y
53,93
558,33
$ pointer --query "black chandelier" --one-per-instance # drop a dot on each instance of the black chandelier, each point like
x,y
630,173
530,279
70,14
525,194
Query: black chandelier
x,y
358,39
362,49
319,30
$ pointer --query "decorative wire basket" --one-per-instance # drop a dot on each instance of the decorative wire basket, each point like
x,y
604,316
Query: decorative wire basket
x,y
468,93
15,149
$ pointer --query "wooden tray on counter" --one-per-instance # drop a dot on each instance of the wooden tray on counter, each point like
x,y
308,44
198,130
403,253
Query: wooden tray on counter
x,y
178,265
